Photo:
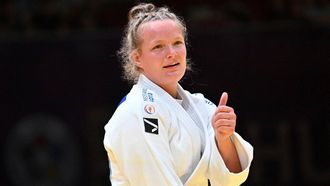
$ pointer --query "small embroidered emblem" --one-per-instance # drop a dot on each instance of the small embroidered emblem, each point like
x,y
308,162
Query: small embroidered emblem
x,y
149,109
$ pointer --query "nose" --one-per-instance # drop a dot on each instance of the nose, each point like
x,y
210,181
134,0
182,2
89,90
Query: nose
x,y
170,52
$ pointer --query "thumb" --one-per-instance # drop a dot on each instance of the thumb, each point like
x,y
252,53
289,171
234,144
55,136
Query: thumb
x,y
223,99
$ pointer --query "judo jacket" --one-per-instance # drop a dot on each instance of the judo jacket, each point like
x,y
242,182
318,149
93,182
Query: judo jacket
x,y
153,139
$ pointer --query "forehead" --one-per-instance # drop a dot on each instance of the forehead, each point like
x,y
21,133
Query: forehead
x,y
160,29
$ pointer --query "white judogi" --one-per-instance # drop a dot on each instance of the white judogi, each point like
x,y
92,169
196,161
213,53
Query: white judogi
x,y
152,140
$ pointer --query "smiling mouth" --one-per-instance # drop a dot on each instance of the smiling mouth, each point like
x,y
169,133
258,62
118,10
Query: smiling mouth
x,y
169,66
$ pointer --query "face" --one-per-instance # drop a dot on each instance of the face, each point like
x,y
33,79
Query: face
x,y
162,52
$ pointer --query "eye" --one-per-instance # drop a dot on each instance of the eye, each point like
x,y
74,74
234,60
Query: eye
x,y
157,47
178,42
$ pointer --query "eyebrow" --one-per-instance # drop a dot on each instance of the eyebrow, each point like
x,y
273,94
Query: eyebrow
x,y
160,40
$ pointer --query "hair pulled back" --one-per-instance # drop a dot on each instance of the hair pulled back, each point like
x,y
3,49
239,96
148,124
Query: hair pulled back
x,y
139,14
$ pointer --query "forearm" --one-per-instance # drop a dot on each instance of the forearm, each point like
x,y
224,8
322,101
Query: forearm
x,y
229,154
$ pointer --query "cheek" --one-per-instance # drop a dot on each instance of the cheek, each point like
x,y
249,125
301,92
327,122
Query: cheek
x,y
146,58
183,52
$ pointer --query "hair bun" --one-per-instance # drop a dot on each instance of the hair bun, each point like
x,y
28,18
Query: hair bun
x,y
140,9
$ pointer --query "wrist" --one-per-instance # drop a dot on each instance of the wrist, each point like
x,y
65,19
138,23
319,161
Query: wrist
x,y
224,143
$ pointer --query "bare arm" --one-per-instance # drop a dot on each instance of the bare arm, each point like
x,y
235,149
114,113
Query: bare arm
x,y
229,154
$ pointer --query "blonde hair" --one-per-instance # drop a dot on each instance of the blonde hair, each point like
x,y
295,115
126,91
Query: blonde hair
x,y
139,14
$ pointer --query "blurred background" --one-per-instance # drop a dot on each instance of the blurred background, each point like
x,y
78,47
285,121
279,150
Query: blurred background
x,y
61,82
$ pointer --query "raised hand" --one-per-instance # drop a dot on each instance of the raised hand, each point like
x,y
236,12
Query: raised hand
x,y
224,123
224,120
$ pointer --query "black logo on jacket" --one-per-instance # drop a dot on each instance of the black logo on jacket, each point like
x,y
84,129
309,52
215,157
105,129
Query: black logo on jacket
x,y
151,125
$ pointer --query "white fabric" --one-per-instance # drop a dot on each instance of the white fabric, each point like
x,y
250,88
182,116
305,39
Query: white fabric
x,y
184,150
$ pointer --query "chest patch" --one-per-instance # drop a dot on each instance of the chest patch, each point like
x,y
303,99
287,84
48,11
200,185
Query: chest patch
x,y
151,125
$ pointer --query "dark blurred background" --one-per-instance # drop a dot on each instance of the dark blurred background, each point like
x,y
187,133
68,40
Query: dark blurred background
x,y
60,84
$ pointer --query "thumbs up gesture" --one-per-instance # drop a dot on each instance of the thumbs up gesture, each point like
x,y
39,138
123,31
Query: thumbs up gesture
x,y
223,120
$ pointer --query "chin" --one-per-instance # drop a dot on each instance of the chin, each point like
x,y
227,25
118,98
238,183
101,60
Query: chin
x,y
175,76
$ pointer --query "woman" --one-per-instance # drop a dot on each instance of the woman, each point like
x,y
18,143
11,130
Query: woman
x,y
161,134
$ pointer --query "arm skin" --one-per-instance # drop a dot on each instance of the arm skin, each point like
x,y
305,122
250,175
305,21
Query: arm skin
x,y
224,122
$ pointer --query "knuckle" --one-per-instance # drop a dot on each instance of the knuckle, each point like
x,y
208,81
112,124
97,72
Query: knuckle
x,y
234,116
232,109
222,108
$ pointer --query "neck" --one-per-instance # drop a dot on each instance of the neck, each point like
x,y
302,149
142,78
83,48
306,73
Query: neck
x,y
171,90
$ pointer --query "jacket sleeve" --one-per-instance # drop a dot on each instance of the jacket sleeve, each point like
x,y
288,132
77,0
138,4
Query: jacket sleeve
x,y
218,172
137,157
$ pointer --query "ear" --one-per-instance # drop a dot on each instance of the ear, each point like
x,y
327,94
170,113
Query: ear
x,y
135,56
